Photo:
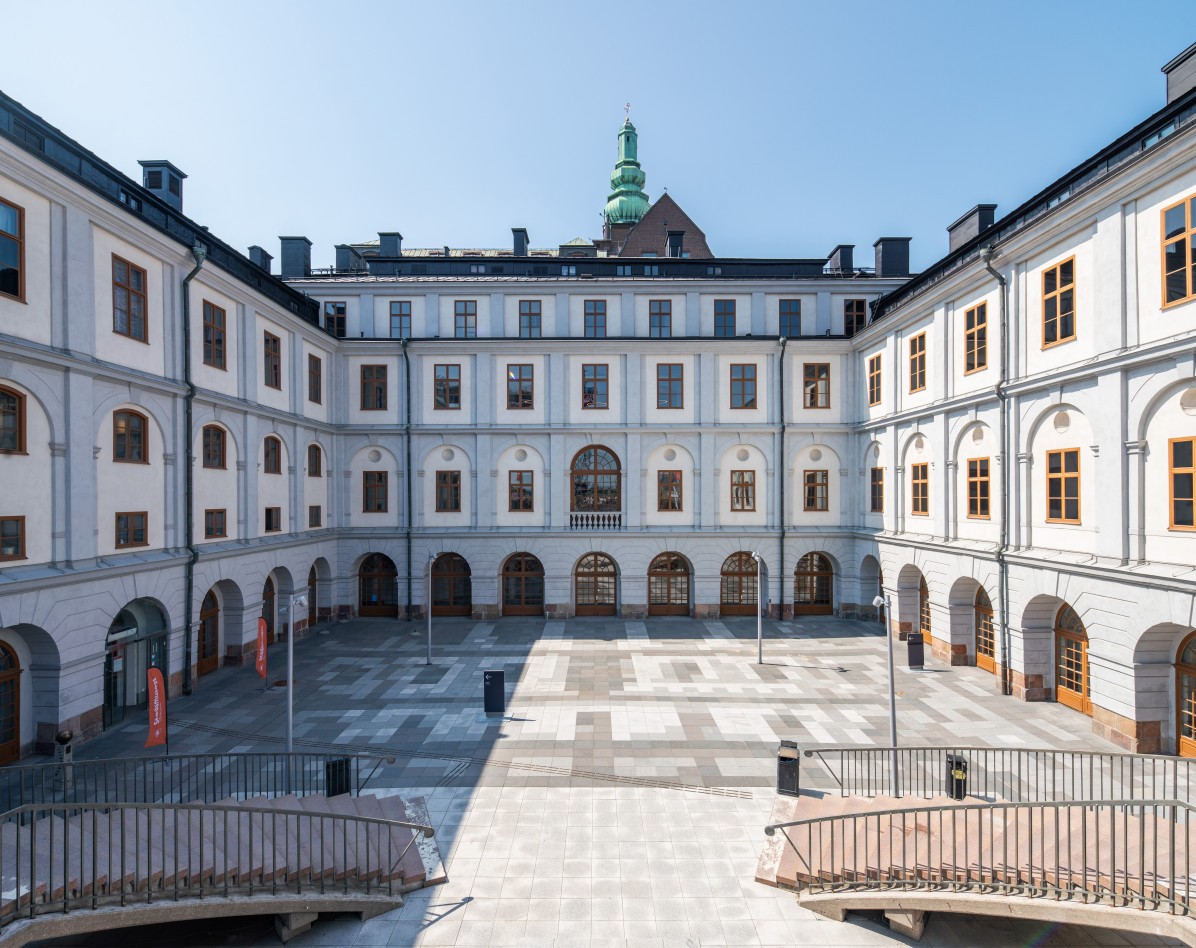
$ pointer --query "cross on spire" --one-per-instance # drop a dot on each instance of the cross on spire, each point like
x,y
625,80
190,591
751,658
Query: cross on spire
x,y
627,110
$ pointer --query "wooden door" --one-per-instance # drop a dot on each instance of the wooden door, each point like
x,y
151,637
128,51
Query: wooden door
x,y
268,608
739,586
1071,661
522,586
10,705
208,657
312,597
1185,697
452,586
668,586
814,586
986,645
596,583
378,593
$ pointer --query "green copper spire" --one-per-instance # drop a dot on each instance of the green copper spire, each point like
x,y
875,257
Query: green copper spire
x,y
627,202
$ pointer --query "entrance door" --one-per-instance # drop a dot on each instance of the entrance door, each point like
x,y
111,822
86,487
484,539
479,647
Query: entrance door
x,y
924,613
114,684
452,586
740,586
523,586
986,646
378,591
268,608
1071,661
10,705
312,596
668,586
596,581
208,659
814,586
1185,699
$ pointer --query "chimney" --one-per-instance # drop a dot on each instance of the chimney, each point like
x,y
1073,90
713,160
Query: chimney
x,y
841,259
892,256
974,223
348,259
390,244
519,236
296,258
676,241
164,180
260,258
1181,74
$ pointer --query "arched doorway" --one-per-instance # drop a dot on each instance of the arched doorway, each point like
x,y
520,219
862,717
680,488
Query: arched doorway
x,y
522,586
452,586
924,612
813,586
268,608
986,642
597,501
1071,661
10,704
207,656
596,580
137,640
740,587
378,592
668,586
1185,697
313,595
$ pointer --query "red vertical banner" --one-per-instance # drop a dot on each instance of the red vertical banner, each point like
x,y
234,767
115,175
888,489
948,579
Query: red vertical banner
x,y
156,685
261,648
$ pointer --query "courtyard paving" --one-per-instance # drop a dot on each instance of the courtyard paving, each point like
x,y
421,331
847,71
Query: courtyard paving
x,y
621,800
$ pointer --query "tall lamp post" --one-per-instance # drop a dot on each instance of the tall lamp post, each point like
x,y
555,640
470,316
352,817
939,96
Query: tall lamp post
x,y
431,561
883,602
759,608
297,602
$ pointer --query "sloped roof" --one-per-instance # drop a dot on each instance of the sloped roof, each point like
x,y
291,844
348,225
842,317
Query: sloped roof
x,y
651,234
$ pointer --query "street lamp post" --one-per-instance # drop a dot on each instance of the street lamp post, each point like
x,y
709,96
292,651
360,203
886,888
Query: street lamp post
x,y
431,561
297,602
759,608
883,602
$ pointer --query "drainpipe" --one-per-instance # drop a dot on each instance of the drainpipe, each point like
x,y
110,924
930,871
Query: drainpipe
x,y
1007,464
200,253
781,480
407,474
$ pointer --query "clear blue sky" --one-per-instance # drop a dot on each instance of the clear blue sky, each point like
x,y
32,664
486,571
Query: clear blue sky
x,y
783,129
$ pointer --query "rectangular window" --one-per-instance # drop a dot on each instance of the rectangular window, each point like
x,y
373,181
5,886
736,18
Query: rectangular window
x,y
128,299
447,387
876,490
855,316
521,498
12,253
213,335
817,491
978,507
272,360
315,382
668,490
917,362
594,381
743,491
790,321
569,270
529,319
334,319
816,385
448,491
670,377
743,386
12,422
131,529
660,319
623,270
373,388
315,516
1063,486
874,380
520,387
1182,473
975,339
595,319
1179,255
724,318
214,524
374,492
400,319
920,494
465,319
1059,303
12,538
273,520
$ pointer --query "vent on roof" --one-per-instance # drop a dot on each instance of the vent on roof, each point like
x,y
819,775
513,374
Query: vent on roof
x,y
164,180
1181,74
974,223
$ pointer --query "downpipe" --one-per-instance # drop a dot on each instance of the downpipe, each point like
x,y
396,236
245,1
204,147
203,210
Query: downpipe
x,y
407,478
781,481
200,253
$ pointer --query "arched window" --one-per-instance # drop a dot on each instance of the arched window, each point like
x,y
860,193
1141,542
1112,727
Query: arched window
x,y
214,447
12,422
523,586
596,580
1071,661
739,585
130,437
10,705
596,487
1185,697
986,646
924,611
452,586
814,586
272,456
668,586
208,657
314,461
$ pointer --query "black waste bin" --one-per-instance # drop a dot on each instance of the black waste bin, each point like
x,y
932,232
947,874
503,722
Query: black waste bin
x,y
957,776
916,651
788,764
338,776
494,691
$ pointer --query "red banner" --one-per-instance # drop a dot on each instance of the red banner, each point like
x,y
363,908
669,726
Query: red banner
x,y
261,648
156,685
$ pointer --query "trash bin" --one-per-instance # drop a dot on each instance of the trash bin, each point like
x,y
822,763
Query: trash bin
x,y
788,764
957,776
338,776
916,651
494,688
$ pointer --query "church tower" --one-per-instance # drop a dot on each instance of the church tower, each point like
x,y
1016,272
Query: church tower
x,y
627,203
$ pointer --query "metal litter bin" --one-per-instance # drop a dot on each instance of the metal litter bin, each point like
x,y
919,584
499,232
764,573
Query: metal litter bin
x,y
788,765
338,776
957,776
916,653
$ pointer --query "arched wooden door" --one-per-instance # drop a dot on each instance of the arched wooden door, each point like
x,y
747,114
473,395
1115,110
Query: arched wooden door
x,y
378,593
208,657
986,643
312,597
924,612
522,586
1071,661
814,586
596,581
452,586
268,608
10,705
1185,697
668,586
740,587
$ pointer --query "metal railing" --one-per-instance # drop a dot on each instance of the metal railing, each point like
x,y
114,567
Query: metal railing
x,y
1128,853
185,778
70,856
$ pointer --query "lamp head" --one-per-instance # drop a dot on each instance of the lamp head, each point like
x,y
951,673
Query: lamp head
x,y
878,602
300,601
756,556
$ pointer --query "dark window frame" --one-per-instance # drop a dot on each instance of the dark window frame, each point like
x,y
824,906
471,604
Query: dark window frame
x,y
521,496
743,388
669,385
215,523
724,319
660,319
131,529
521,389
816,490
789,318
214,456
272,462
743,491
669,491
19,240
530,314
816,385
19,427
465,319
335,313
403,315
373,383
375,491
132,294
273,514
448,492
215,323
594,319
21,537
122,443
443,387
272,360
315,379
